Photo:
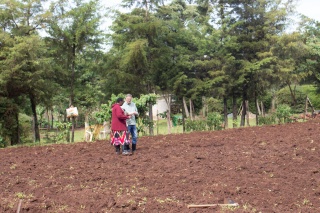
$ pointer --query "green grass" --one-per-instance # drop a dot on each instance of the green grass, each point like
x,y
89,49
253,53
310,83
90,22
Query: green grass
x,y
47,136
161,127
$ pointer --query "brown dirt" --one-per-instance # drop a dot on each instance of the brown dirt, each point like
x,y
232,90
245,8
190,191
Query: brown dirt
x,y
264,169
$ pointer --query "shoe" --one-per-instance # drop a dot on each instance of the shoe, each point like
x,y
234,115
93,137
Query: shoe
x,y
134,147
125,153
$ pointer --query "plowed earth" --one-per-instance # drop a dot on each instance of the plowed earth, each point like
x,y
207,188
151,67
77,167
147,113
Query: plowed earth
x,y
263,169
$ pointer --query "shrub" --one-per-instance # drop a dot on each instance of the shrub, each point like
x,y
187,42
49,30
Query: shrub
x,y
214,121
283,113
268,120
3,143
196,125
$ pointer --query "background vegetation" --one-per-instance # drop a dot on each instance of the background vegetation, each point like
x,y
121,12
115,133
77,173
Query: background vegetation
x,y
208,59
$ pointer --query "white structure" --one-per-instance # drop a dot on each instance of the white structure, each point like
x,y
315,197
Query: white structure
x,y
160,107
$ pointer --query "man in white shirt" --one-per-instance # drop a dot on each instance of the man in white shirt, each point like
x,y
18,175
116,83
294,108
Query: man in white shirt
x,y
130,108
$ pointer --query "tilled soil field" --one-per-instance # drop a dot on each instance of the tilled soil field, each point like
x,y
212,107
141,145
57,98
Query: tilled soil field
x,y
263,169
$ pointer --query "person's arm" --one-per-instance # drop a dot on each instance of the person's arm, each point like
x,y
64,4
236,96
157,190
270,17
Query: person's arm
x,y
120,114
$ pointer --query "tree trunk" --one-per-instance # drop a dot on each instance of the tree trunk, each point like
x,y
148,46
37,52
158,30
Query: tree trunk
x,y
185,107
52,118
262,109
183,115
48,119
191,114
225,110
35,118
306,109
73,64
234,110
293,95
258,111
15,137
150,120
247,113
258,107
68,134
273,103
167,98
244,110
73,128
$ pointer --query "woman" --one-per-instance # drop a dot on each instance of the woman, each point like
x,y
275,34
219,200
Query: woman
x,y
119,134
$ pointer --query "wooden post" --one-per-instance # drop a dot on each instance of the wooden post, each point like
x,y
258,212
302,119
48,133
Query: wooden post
x,y
191,116
157,122
262,109
247,112
185,106
306,109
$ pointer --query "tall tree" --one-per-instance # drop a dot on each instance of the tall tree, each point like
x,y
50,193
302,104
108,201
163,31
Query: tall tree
x,y
73,29
24,63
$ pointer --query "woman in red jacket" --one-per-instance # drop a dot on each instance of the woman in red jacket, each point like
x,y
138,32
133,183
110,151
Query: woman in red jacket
x,y
119,134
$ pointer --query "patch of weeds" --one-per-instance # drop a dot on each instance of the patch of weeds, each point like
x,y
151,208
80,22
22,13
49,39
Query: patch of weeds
x,y
142,202
229,208
69,186
143,188
63,207
305,202
83,186
21,195
248,208
119,193
13,166
167,200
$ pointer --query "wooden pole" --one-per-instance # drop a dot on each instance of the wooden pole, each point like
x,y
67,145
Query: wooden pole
x,y
19,206
211,205
306,109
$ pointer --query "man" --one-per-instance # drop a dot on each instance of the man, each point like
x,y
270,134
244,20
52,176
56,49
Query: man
x,y
130,108
119,134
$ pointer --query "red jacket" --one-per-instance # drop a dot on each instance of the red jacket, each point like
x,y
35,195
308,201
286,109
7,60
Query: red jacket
x,y
118,121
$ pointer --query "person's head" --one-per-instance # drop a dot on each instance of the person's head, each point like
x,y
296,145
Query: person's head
x,y
120,101
128,98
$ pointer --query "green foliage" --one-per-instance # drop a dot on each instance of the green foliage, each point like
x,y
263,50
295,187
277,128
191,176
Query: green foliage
x,y
283,113
3,143
268,120
104,114
214,121
25,124
213,104
301,92
63,128
195,125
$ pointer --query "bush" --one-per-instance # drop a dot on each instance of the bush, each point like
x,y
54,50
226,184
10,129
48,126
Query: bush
x,y
3,143
25,127
196,125
283,113
268,120
214,121
284,97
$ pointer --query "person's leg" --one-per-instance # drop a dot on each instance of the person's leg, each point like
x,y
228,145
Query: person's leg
x,y
134,134
117,149
127,141
125,146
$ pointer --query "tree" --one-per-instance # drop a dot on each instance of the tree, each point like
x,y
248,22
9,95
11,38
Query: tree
x,y
74,28
24,60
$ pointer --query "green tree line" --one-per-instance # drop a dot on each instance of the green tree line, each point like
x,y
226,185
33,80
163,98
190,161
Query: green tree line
x,y
53,54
